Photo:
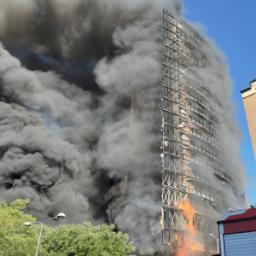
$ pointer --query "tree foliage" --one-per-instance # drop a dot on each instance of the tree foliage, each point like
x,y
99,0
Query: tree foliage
x,y
15,238
86,240
66,240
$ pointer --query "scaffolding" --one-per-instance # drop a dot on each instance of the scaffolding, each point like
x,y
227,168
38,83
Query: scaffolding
x,y
188,132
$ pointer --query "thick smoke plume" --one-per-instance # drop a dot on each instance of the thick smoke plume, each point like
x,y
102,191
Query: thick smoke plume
x,y
79,111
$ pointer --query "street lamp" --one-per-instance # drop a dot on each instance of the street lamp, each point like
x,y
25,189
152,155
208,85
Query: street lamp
x,y
28,224
217,241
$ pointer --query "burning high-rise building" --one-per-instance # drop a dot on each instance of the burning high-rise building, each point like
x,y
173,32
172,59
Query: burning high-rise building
x,y
79,118
196,168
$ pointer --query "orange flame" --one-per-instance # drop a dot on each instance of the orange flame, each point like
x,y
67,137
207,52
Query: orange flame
x,y
189,245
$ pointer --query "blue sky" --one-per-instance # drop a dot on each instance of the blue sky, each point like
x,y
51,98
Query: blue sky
x,y
232,25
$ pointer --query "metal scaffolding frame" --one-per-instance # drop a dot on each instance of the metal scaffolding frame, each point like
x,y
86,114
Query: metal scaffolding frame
x,y
188,131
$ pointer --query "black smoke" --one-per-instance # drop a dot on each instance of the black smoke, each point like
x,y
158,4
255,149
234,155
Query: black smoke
x,y
79,115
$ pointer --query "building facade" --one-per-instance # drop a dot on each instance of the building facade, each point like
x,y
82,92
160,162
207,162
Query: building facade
x,y
237,233
249,100
194,168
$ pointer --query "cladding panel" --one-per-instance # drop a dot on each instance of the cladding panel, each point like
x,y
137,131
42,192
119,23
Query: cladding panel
x,y
240,244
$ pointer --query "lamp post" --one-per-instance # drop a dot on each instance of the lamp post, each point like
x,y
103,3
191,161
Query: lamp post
x,y
217,241
28,224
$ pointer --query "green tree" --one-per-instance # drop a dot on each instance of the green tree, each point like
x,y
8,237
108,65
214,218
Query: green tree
x,y
69,240
15,238
86,240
